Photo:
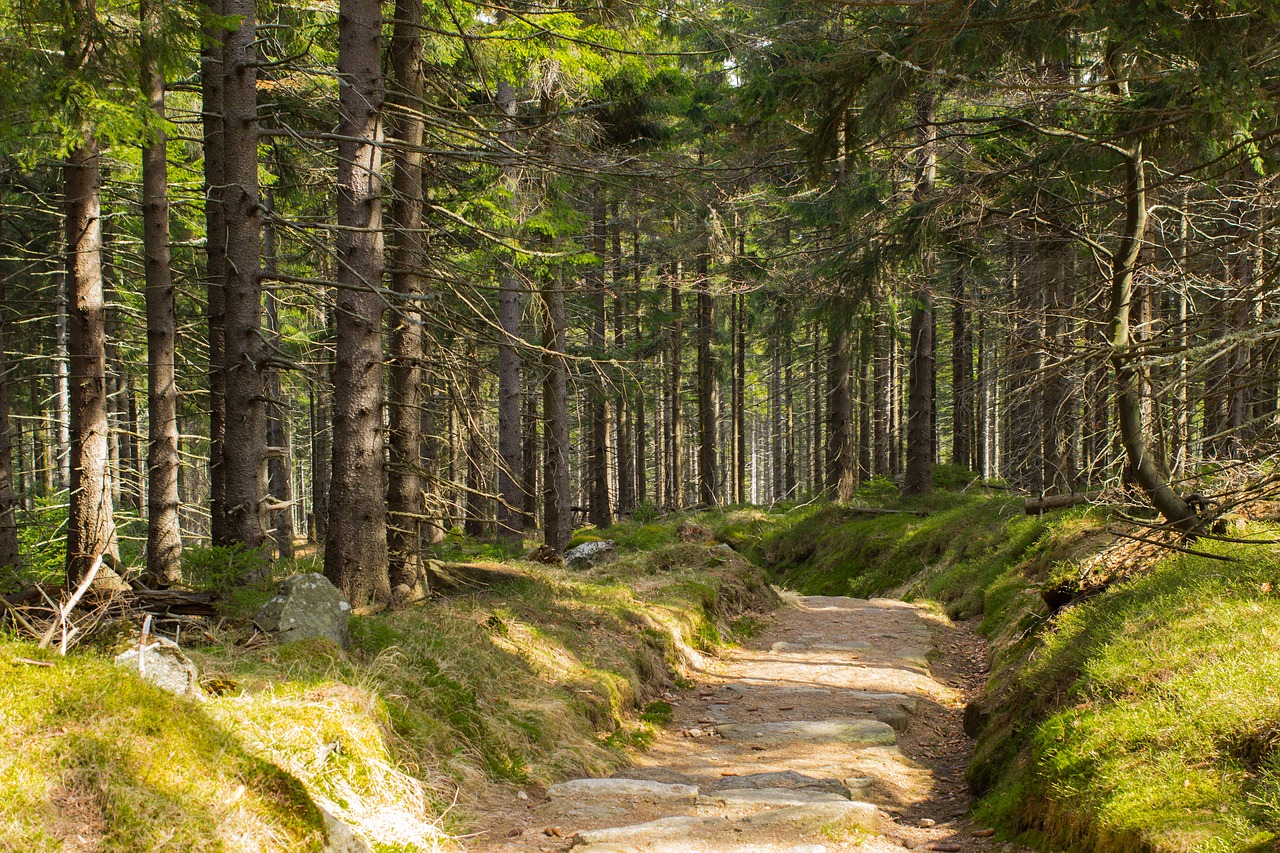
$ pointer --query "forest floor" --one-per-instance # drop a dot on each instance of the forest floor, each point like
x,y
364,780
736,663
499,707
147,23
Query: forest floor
x,y
838,726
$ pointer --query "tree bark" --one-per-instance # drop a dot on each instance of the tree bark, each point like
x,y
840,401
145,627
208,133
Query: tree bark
x,y
675,450
356,548
601,511
245,426
164,534
625,446
91,531
840,479
405,506
215,274
963,433
9,555
556,513
1143,464
920,415
511,497
708,480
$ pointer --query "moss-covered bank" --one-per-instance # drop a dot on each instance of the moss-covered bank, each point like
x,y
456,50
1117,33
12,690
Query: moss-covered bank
x,y
430,708
1143,716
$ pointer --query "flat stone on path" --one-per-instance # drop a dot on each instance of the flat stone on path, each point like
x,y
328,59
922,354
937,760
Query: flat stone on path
x,y
788,779
624,789
662,829
868,732
768,797
814,817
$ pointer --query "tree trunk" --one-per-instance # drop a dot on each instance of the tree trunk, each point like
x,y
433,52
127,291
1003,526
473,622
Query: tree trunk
x,y
164,534
556,511
355,557
211,89
405,506
91,531
8,499
962,381
882,425
866,382
474,516
1059,398
1143,464
840,480
529,459
601,512
675,454
245,426
511,497
708,492
920,419
625,443
641,461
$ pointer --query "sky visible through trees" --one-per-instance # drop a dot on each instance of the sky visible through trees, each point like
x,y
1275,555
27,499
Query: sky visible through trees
x,y
371,274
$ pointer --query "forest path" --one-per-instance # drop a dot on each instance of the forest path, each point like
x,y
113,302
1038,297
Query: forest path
x,y
837,727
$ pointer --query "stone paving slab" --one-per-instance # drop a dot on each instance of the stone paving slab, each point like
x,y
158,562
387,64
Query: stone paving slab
x,y
869,732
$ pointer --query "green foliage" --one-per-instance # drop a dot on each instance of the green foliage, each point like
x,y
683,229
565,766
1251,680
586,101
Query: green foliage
x,y
220,568
42,545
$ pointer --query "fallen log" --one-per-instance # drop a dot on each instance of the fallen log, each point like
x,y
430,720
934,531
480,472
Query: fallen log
x,y
1038,506
447,578
871,510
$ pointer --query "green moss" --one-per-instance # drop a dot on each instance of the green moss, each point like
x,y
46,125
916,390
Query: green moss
x,y
94,751
1143,718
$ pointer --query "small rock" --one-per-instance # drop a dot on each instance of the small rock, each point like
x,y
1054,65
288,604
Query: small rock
x,y
590,554
164,665
522,795
306,606
928,822
553,832
691,531
515,832
341,838
544,554
983,833
893,715
944,846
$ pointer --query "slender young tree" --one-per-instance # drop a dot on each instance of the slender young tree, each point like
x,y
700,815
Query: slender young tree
x,y
9,555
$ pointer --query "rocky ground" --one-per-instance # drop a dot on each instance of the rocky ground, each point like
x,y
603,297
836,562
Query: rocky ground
x,y
837,727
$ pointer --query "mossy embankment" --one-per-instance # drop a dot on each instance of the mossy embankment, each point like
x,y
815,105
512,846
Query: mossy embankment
x,y
1143,716
433,708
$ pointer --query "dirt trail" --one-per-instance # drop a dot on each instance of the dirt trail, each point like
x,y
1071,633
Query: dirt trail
x,y
838,727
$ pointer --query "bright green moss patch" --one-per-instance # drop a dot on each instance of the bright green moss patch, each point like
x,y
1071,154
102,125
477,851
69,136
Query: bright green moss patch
x,y
1161,711
91,751
1145,717
553,674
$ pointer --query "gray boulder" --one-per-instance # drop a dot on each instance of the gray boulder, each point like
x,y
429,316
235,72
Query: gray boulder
x,y
306,606
164,665
590,554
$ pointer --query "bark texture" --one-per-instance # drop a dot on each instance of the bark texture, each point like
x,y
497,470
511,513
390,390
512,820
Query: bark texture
x,y
164,535
356,545
244,432
405,505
